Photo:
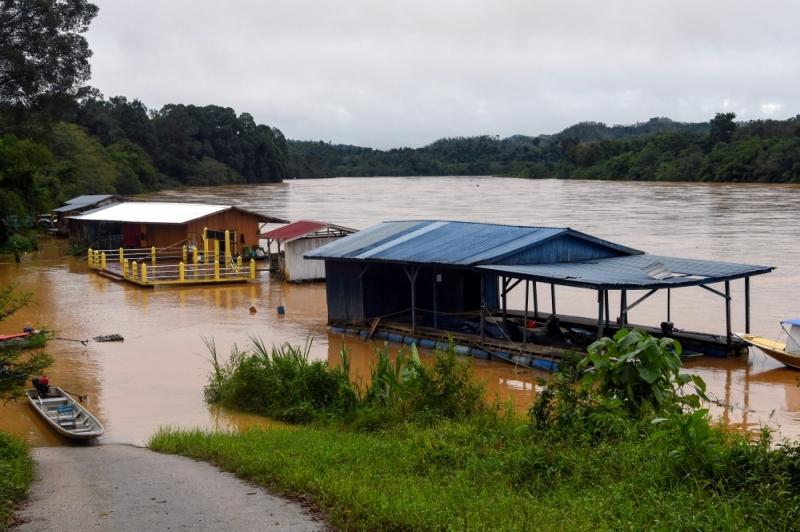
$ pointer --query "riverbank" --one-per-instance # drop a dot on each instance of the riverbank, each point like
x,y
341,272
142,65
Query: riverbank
x,y
617,440
16,475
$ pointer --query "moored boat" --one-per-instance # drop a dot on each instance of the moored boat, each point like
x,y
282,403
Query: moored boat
x,y
787,353
65,415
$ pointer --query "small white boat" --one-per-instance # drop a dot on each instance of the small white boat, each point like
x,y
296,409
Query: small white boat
x,y
788,352
65,415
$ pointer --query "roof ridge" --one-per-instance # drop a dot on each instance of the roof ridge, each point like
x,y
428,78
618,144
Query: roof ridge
x,y
495,224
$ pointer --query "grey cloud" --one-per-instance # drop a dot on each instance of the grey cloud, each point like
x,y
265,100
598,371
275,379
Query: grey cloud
x,y
388,74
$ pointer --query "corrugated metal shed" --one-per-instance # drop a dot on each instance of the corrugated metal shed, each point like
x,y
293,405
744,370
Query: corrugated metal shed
x,y
631,272
83,202
154,212
455,243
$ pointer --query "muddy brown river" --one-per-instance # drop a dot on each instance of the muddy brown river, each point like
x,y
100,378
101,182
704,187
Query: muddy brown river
x,y
156,376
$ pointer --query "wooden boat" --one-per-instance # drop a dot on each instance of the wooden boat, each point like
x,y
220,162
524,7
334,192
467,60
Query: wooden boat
x,y
24,340
65,415
788,352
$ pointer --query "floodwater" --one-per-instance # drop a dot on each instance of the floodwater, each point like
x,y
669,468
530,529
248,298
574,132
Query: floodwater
x,y
156,376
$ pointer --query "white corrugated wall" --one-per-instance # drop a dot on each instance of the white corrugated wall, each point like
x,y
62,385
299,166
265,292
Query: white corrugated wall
x,y
297,268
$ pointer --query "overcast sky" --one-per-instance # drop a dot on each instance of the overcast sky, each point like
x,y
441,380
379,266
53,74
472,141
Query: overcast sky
x,y
406,72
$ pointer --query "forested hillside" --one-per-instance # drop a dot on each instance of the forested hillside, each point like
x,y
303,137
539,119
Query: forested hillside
x,y
659,149
60,138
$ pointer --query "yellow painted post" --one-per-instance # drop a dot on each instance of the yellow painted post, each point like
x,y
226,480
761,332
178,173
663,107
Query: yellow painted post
x,y
216,271
103,260
216,250
185,254
153,255
126,268
96,258
121,256
144,273
252,269
135,271
89,256
180,272
238,264
205,245
227,247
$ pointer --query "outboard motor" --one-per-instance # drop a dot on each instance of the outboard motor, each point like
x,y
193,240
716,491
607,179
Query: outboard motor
x,y
42,385
667,328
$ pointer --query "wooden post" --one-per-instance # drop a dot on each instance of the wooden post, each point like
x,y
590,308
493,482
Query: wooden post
x,y
412,279
135,271
185,253
181,272
216,270
227,247
205,245
252,269
153,255
483,308
607,311
553,297
121,256
747,305
238,264
525,316
103,260
728,312
504,284
535,300
216,251
623,311
126,268
89,257
144,273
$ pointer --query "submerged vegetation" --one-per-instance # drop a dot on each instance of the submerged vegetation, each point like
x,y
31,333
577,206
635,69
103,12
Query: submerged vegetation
x,y
617,440
16,475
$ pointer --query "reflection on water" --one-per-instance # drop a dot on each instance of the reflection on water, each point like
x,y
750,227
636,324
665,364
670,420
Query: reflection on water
x,y
156,376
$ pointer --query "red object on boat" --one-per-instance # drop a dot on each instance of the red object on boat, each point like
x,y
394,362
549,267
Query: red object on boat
x,y
4,337
44,380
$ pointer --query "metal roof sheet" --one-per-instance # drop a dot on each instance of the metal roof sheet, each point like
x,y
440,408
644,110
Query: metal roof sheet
x,y
302,228
444,242
632,272
82,202
151,212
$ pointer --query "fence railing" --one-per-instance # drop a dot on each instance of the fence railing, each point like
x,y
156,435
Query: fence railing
x,y
151,266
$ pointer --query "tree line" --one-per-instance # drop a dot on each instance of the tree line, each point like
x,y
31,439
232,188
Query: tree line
x,y
60,138
659,149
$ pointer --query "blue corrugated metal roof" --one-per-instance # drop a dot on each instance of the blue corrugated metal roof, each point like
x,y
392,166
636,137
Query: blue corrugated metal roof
x,y
446,242
82,202
632,272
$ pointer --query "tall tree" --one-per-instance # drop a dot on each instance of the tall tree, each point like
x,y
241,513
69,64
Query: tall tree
x,y
722,128
43,54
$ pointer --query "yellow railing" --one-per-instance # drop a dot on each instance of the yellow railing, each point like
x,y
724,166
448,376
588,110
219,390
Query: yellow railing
x,y
148,267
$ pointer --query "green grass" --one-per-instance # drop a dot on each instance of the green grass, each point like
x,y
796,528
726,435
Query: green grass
x,y
492,474
16,474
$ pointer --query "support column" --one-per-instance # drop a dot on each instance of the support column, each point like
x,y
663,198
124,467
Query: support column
x,y
504,283
608,312
435,306
623,311
412,278
669,304
525,316
600,306
535,301
553,298
747,305
728,312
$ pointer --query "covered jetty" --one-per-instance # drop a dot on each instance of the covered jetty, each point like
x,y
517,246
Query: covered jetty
x,y
427,279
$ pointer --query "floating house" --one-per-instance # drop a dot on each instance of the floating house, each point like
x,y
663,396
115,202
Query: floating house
x,y
79,205
424,280
138,224
299,238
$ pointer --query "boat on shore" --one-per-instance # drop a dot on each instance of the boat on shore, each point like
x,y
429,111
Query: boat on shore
x,y
787,353
28,339
64,415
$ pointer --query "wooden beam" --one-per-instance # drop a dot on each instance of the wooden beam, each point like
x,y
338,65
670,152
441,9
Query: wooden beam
x,y
525,316
600,307
728,311
553,299
535,301
747,305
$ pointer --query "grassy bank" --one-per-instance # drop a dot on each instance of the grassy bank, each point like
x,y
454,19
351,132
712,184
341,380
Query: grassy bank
x,y
617,440
16,474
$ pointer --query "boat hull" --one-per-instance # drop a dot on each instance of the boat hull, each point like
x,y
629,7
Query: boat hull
x,y
79,425
772,349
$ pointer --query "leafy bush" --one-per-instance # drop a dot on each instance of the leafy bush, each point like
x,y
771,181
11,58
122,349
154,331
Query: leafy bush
x,y
280,382
16,474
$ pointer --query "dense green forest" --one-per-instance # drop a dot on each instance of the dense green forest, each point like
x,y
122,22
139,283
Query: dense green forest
x,y
60,138
659,149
